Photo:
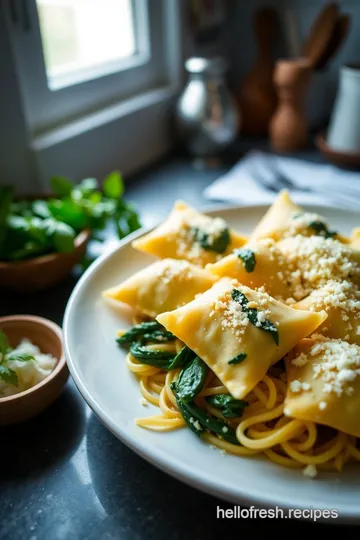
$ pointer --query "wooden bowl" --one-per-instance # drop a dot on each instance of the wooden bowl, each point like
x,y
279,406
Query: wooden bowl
x,y
48,337
44,271
350,160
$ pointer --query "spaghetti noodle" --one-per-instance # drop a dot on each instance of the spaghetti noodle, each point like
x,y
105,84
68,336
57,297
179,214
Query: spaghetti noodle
x,y
262,429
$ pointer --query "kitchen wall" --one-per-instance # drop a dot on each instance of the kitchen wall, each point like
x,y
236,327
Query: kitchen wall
x,y
240,47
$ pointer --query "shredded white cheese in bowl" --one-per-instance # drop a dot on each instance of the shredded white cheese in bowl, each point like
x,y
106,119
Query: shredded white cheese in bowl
x,y
23,367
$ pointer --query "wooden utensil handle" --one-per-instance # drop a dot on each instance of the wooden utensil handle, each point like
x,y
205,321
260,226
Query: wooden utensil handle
x,y
266,26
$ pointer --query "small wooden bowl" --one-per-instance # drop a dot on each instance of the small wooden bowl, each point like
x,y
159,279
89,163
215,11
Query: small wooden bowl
x,y
347,160
48,337
44,271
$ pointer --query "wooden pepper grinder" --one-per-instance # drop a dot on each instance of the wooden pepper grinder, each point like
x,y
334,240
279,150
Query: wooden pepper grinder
x,y
257,97
289,125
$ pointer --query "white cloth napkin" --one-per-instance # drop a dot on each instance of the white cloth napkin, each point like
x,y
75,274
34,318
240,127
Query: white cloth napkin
x,y
259,176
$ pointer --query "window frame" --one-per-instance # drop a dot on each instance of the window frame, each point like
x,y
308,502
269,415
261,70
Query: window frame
x,y
46,108
126,133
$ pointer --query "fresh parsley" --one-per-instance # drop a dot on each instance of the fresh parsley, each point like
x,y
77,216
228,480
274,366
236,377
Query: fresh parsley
x,y
252,314
248,258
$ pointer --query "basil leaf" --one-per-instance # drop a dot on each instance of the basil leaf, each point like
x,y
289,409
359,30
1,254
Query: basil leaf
x,y
248,258
229,406
219,244
191,380
87,186
61,186
239,297
20,357
321,229
270,327
40,209
252,314
238,359
63,238
8,375
113,186
69,212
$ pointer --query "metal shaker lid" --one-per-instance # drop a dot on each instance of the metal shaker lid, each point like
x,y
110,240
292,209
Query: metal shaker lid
x,y
212,66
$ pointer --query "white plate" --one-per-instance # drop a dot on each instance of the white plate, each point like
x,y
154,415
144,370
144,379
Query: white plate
x,y
98,368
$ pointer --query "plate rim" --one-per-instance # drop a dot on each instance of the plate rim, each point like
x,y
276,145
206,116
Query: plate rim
x,y
182,472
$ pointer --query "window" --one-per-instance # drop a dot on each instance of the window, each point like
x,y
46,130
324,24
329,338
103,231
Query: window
x,y
96,78
77,47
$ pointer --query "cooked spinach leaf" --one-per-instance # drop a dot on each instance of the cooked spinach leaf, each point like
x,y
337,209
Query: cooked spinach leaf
x,y
218,243
321,229
248,258
191,380
253,313
238,359
229,406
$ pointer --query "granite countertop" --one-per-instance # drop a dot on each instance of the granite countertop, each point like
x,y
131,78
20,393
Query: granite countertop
x,y
63,475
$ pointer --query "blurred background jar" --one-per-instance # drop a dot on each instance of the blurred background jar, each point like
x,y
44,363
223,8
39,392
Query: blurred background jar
x,y
207,120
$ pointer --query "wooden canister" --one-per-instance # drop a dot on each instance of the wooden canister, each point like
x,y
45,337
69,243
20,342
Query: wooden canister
x,y
289,125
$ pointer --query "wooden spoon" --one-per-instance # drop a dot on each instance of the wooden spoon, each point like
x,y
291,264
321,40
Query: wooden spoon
x,y
321,33
339,35
257,99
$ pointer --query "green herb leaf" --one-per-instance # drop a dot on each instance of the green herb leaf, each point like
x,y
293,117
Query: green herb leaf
x,y
151,357
139,330
199,420
248,258
252,314
69,212
219,244
8,375
239,297
113,186
191,380
88,186
238,359
321,229
40,209
159,336
183,358
229,406
61,186
63,238
4,344
194,425
20,357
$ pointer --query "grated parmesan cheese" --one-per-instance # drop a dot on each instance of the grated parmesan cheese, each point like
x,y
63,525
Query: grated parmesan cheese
x,y
318,260
338,366
310,471
297,386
